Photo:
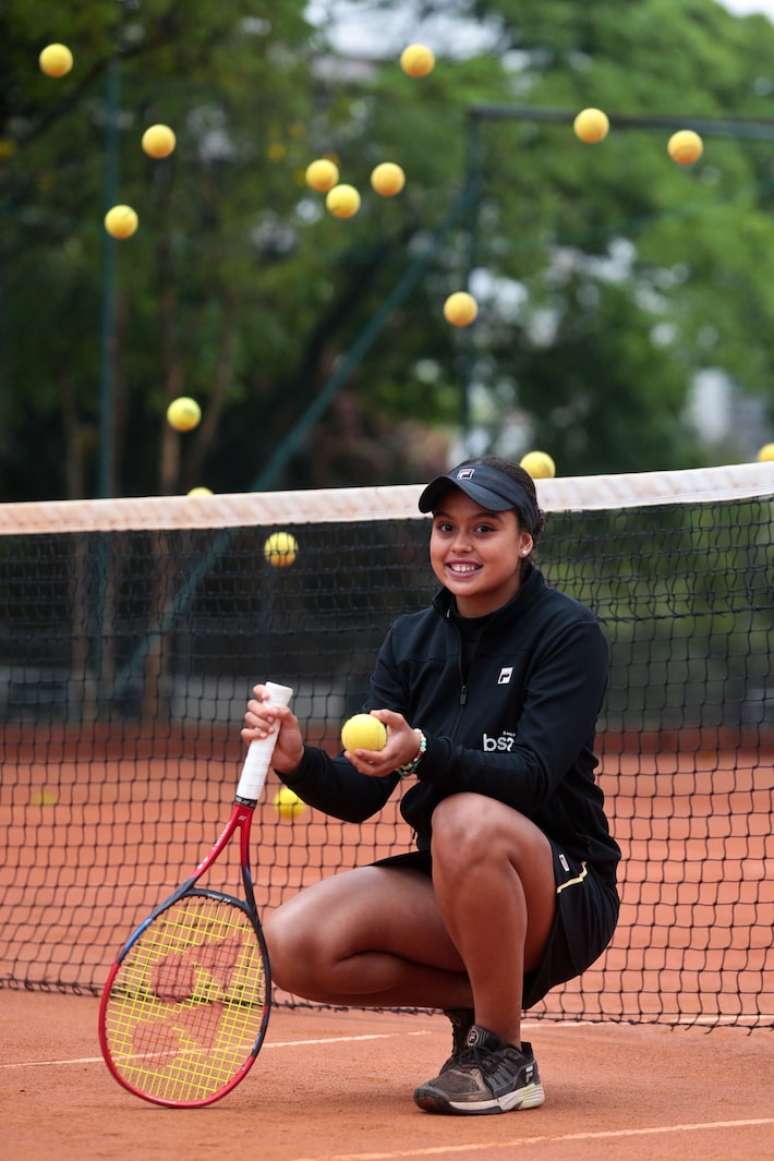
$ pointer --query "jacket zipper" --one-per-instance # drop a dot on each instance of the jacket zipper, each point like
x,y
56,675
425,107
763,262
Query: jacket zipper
x,y
463,696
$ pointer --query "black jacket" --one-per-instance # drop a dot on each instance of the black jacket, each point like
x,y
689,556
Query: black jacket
x,y
518,727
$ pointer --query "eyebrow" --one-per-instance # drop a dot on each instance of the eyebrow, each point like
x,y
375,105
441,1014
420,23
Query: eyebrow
x,y
481,512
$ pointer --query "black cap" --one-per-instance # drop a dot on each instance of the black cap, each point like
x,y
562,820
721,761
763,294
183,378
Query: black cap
x,y
493,489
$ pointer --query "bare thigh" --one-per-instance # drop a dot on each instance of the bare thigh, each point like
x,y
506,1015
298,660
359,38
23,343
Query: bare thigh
x,y
391,910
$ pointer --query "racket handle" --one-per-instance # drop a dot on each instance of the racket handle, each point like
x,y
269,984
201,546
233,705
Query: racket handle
x,y
258,760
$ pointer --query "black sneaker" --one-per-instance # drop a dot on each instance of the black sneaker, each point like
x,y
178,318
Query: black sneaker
x,y
488,1076
462,1020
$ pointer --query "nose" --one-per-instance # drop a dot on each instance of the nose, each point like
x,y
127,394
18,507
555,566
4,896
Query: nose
x,y
461,541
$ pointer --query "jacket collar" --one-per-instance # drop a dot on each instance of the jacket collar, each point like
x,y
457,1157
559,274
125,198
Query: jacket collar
x,y
530,591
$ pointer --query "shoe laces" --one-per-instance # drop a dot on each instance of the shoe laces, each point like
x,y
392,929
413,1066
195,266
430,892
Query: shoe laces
x,y
485,1059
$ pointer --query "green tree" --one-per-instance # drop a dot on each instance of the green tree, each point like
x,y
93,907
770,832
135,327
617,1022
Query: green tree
x,y
608,276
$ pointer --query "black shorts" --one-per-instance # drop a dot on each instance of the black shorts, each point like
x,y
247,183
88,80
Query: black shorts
x,y
586,916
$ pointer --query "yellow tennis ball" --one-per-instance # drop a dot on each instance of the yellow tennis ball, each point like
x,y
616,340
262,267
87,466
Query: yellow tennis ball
x,y
343,201
121,222
288,804
281,549
591,126
417,60
158,141
184,413
388,179
200,491
460,309
766,454
685,147
56,60
363,732
539,465
322,175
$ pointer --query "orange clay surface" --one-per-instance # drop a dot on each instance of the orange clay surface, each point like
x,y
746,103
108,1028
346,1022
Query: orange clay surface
x,y
337,1087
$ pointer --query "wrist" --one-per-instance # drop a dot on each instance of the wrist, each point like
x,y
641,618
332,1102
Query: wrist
x,y
291,767
409,768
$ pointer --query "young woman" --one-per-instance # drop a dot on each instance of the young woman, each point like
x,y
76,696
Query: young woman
x,y
490,699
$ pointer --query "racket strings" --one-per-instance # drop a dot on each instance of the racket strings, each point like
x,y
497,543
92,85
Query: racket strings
x,y
187,1005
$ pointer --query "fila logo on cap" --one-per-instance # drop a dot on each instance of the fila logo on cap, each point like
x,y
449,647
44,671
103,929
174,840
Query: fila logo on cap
x,y
465,473
505,676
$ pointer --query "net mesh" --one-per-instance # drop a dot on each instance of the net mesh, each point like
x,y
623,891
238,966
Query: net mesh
x,y
131,633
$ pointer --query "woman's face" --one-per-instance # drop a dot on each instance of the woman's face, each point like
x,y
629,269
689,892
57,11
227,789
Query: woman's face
x,y
477,554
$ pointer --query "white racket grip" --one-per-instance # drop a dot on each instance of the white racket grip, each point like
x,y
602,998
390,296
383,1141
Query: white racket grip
x,y
258,759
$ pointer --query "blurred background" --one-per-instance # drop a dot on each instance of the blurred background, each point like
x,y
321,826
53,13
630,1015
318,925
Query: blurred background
x,y
626,302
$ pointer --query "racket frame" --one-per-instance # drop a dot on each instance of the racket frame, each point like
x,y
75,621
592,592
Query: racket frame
x,y
241,819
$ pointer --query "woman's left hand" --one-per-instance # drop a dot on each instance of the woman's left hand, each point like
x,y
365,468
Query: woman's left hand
x,y
402,747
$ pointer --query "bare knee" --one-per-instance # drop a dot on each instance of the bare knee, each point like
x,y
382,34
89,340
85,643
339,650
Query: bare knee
x,y
295,954
471,829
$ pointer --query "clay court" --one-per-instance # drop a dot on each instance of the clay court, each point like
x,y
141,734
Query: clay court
x,y
337,1087
693,949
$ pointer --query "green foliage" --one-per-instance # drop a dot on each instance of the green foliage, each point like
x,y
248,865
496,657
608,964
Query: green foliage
x,y
629,273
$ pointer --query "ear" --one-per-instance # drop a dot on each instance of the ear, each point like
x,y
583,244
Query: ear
x,y
526,544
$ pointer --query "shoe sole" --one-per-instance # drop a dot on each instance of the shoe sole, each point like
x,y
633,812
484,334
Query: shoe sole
x,y
432,1100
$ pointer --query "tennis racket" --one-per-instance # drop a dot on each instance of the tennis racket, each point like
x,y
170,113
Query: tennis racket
x,y
185,1007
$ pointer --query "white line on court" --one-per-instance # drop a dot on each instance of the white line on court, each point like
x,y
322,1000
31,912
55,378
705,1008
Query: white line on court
x,y
528,1026
520,1142
269,1044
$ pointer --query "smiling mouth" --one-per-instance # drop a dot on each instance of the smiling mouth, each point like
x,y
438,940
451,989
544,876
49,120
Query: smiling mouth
x,y
463,571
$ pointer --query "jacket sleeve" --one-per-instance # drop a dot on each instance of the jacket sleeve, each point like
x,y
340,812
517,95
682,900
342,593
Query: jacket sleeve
x,y
563,699
333,785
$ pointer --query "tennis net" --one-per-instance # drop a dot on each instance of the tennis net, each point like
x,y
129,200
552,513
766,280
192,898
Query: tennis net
x,y
132,631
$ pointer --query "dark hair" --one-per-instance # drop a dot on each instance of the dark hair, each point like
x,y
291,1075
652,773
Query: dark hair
x,y
516,472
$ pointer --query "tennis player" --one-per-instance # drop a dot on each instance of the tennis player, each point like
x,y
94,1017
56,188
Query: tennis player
x,y
490,698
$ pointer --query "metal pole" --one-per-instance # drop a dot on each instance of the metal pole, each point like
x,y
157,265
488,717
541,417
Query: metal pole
x,y
106,473
467,352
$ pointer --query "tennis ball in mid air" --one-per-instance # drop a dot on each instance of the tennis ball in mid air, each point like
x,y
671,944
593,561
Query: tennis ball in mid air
x,y
685,147
281,549
591,126
184,413
363,732
417,60
158,141
539,465
766,454
460,309
288,804
322,175
200,491
388,179
56,60
343,201
121,222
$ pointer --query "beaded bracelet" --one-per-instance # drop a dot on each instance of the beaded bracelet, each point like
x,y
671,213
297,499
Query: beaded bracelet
x,y
409,768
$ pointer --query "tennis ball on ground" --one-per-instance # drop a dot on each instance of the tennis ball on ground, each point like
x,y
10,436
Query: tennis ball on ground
x,y
591,126
388,179
460,309
766,454
288,804
158,141
685,147
322,175
363,732
539,465
281,549
44,797
121,222
56,60
417,60
184,413
343,201
200,491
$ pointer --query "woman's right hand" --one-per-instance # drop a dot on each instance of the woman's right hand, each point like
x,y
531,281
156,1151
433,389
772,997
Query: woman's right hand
x,y
262,719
